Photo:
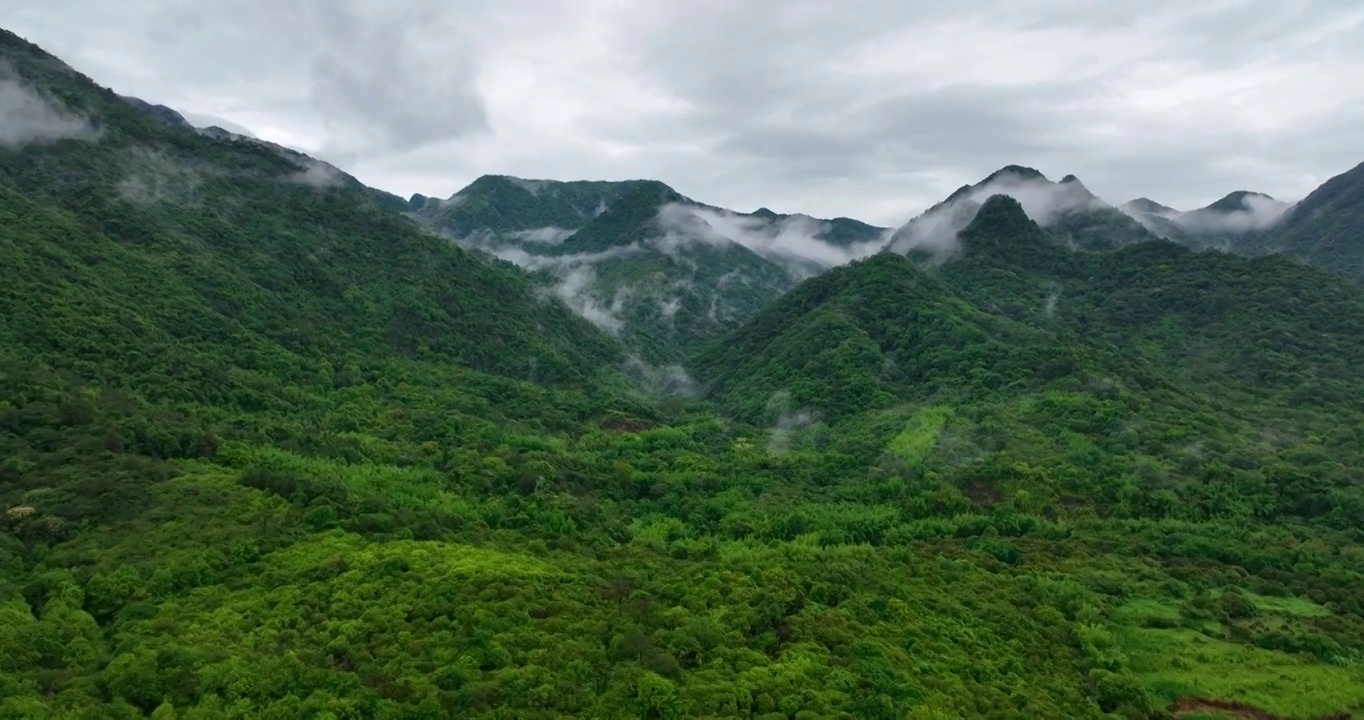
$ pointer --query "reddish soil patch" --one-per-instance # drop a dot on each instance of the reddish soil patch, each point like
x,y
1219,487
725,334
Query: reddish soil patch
x,y
626,425
984,493
1188,706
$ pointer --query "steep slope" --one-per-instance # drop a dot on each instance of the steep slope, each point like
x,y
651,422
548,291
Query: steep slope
x,y
146,195
867,336
1327,227
180,290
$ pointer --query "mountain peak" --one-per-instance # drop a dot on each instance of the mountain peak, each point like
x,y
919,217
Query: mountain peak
x,y
160,112
1000,216
1147,205
494,181
1001,229
1017,172
1236,201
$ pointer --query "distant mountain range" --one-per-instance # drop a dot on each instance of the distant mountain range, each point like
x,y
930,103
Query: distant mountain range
x,y
669,273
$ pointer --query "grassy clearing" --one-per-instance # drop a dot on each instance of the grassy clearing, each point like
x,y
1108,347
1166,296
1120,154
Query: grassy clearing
x,y
1138,612
1184,663
1299,607
920,434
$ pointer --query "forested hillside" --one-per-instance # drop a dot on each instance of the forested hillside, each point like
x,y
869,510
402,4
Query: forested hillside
x,y
271,448
1327,227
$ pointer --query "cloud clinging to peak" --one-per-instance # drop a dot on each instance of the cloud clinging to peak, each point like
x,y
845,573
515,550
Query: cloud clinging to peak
x,y
874,109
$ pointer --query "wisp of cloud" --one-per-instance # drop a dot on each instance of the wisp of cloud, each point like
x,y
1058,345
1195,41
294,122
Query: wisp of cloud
x,y
795,241
28,118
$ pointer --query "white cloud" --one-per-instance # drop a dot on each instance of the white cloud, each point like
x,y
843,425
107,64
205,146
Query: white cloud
x,y
576,290
796,241
1257,212
26,117
545,235
1253,212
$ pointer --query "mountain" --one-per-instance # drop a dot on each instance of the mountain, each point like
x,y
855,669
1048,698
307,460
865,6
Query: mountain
x,y
504,208
887,330
1148,206
153,268
271,446
1320,229
1154,338
1237,201
1326,228
1067,209
662,272
864,337
1161,220
160,112
1238,222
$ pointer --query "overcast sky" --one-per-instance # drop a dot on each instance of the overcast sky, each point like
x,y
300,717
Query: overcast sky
x,y
868,108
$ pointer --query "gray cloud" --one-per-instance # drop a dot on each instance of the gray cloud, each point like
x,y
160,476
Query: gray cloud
x,y
388,82
873,110
347,79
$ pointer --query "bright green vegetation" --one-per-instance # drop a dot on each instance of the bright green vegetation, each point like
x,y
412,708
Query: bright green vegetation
x,y
920,435
271,450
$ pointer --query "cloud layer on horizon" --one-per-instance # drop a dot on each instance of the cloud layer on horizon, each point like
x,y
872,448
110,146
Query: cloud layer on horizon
x,y
875,110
